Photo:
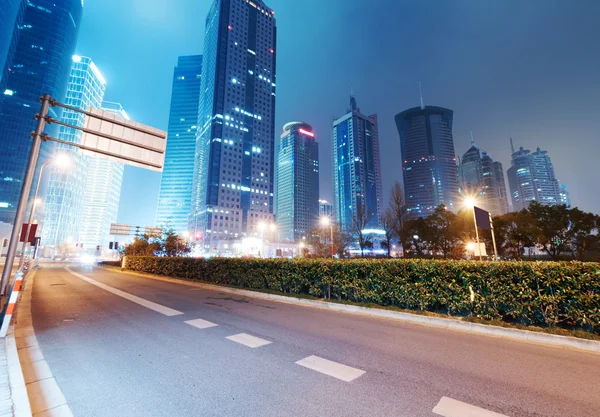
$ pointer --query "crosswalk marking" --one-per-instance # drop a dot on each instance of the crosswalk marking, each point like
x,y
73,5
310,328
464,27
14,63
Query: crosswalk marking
x,y
248,340
334,369
138,300
200,323
448,407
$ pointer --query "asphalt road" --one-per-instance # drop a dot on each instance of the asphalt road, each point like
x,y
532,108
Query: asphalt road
x,y
117,355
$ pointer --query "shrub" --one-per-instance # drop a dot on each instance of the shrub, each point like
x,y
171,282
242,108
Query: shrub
x,y
547,294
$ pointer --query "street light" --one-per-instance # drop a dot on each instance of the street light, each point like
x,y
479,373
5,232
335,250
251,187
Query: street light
x,y
326,221
62,161
469,202
261,227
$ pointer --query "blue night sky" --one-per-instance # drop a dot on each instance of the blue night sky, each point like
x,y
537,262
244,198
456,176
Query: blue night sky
x,y
506,67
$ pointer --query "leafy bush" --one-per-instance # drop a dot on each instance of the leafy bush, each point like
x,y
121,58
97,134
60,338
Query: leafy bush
x,y
547,294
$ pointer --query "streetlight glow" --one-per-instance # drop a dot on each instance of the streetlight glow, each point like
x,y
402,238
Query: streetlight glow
x,y
325,221
62,161
469,202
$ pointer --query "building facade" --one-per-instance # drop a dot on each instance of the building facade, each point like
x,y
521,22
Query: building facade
x,y
531,178
11,16
67,185
356,168
43,43
428,159
102,194
297,204
565,197
234,167
175,197
483,178
325,209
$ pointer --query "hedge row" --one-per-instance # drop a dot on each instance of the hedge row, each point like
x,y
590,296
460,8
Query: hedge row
x,y
543,294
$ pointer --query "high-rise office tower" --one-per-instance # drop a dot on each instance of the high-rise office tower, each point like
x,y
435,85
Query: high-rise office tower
x,y
11,15
44,42
531,178
325,209
483,178
233,176
297,205
66,186
356,168
428,159
175,197
102,194
565,198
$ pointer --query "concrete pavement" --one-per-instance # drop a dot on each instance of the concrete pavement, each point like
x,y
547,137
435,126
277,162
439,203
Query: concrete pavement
x,y
121,345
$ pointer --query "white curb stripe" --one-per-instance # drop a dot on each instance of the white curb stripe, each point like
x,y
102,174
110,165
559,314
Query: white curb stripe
x,y
145,303
448,407
334,369
248,340
201,324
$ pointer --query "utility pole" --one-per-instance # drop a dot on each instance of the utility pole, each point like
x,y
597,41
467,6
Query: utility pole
x,y
29,174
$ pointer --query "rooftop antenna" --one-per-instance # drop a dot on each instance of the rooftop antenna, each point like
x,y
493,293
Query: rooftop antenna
x,y
421,95
512,146
472,139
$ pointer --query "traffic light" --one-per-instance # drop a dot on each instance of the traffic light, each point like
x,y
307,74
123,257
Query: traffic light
x,y
110,245
4,243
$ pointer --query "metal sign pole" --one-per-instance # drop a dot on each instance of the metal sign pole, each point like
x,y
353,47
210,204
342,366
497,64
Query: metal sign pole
x,y
33,157
477,235
493,238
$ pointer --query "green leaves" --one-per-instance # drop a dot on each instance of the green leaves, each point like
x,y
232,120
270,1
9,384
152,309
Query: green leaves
x,y
549,294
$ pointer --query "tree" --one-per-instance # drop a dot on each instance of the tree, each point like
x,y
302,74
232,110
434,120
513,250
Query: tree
x,y
552,228
173,245
441,233
341,241
398,211
360,221
412,242
320,246
142,246
514,232
388,223
584,232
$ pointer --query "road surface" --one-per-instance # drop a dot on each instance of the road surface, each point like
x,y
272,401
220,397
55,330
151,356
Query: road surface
x,y
123,345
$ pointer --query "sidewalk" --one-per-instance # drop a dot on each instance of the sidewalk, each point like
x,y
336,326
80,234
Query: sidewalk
x,y
6,404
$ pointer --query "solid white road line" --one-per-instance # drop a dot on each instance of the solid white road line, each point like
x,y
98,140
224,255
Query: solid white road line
x,y
201,324
334,369
148,304
448,407
248,340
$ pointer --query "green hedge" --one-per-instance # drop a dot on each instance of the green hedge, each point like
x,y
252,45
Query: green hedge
x,y
545,294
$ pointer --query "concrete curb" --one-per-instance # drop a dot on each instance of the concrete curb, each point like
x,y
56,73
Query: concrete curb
x,y
20,399
450,324
45,397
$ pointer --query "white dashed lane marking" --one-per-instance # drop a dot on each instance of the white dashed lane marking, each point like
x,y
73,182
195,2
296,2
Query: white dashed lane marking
x,y
201,324
248,340
448,407
334,369
138,300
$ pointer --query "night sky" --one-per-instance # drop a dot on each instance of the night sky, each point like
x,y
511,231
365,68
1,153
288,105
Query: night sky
x,y
529,69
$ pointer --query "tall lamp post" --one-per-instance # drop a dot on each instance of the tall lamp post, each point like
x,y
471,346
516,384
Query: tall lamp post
x,y
60,160
326,221
261,227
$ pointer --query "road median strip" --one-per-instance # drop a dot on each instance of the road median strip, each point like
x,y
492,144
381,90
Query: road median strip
x,y
445,323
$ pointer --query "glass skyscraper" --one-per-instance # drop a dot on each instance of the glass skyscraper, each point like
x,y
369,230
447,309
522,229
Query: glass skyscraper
x,y
43,42
356,167
66,187
175,197
102,194
11,13
483,178
297,205
233,176
531,178
428,159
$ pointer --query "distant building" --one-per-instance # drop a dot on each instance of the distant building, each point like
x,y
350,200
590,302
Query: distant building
x,y
43,40
565,198
11,12
356,167
531,178
63,204
235,148
175,197
481,177
297,205
428,159
102,194
325,209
